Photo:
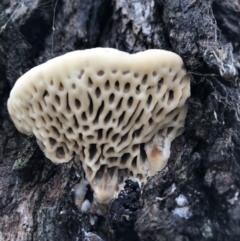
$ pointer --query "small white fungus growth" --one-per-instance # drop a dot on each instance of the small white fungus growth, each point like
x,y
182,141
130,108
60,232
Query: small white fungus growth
x,y
80,192
81,188
182,212
233,199
85,206
91,236
93,219
181,200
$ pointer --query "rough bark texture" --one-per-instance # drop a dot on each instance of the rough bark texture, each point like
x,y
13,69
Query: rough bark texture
x,y
196,197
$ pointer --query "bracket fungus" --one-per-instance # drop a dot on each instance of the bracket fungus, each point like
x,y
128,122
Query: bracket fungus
x,y
117,112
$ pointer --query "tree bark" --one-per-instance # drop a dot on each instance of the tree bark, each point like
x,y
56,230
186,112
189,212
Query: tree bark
x,y
196,197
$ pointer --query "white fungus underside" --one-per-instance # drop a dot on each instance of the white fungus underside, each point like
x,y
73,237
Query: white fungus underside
x,y
101,104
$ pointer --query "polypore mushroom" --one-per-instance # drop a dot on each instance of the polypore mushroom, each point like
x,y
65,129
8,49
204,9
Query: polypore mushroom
x,y
103,105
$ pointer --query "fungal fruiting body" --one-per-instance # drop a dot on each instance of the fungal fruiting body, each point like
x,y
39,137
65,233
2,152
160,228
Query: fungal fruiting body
x,y
118,112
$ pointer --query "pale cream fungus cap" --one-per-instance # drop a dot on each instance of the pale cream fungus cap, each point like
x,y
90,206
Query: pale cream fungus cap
x,y
107,107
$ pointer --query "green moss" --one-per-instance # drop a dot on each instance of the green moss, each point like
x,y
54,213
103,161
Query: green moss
x,y
207,229
24,155
17,164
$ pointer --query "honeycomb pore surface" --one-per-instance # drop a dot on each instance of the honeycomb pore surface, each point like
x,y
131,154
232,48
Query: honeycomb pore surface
x,y
104,105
